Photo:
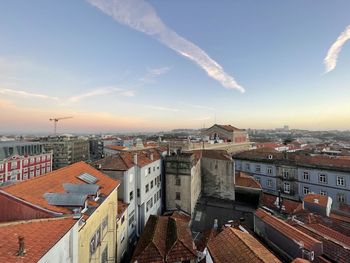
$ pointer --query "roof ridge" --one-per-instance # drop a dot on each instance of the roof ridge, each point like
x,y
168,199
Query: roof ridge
x,y
12,223
257,255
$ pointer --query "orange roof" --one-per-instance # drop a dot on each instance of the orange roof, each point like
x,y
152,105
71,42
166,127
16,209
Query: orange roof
x,y
33,190
300,260
326,231
288,206
232,245
317,199
115,147
287,230
165,239
229,128
244,180
37,239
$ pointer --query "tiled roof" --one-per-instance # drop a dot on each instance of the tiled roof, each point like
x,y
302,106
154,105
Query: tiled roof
x,y
39,237
288,206
215,154
33,190
232,245
286,229
300,260
244,180
328,232
165,239
125,160
316,199
229,128
115,147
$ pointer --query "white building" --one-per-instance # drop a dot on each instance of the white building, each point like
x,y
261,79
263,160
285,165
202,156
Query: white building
x,y
139,174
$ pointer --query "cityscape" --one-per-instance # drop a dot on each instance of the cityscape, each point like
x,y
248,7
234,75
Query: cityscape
x,y
151,131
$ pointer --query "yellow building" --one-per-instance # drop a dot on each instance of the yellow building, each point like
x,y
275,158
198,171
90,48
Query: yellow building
x,y
122,231
84,193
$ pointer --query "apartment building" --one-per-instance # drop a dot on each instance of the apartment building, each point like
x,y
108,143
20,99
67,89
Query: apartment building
x,y
67,149
78,191
140,175
23,160
295,175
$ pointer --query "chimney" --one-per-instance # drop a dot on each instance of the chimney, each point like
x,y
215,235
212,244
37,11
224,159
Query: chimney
x,y
215,227
152,156
135,158
21,249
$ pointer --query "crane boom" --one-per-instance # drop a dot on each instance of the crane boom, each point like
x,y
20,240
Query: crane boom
x,y
55,121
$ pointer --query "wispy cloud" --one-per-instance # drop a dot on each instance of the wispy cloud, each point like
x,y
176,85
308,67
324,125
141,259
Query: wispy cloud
x,y
100,92
25,94
141,16
158,71
160,108
196,106
331,59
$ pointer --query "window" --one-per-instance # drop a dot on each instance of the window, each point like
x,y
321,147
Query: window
x,y
258,179
340,181
322,178
151,184
306,190
131,178
95,241
269,170
258,168
138,192
154,168
147,188
247,166
131,195
32,160
286,188
155,197
149,204
131,218
104,223
25,162
322,192
149,170
44,158
123,219
37,172
48,169
48,157
269,183
285,174
14,165
104,255
177,197
306,176
341,198
42,170
178,181
157,167
37,159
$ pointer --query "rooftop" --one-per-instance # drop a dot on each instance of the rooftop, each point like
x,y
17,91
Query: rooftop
x,y
244,180
286,229
316,199
232,245
33,190
165,239
38,241
288,206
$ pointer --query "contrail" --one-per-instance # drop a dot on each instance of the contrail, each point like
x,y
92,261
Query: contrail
x,y
141,16
331,59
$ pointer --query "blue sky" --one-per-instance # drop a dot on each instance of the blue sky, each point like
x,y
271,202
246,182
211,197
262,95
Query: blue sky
x,y
62,58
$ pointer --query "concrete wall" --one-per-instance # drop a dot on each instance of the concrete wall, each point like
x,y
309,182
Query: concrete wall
x,y
65,250
184,189
108,235
196,185
218,178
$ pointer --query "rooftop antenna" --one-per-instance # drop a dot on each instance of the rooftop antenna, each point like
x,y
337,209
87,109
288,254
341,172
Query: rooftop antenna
x,y
55,121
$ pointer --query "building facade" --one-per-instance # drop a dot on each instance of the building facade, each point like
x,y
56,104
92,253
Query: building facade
x,y
67,150
23,160
296,175
225,133
139,174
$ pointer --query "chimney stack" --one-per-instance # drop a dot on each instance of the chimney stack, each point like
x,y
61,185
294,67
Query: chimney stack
x,y
21,248
135,159
215,227
152,156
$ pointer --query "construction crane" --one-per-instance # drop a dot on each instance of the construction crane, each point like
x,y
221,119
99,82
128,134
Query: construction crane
x,y
55,121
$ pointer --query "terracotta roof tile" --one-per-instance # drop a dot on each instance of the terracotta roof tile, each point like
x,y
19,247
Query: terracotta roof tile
x,y
37,239
300,260
316,199
229,128
115,147
286,229
288,206
244,180
33,190
165,239
232,245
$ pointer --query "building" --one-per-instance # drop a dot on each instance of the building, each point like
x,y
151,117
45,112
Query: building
x,y
236,245
122,231
165,239
23,160
67,150
287,241
225,133
182,181
139,173
79,191
113,149
40,240
96,149
296,175
320,204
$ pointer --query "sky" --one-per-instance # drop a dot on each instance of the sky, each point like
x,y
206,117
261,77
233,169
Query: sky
x,y
136,65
